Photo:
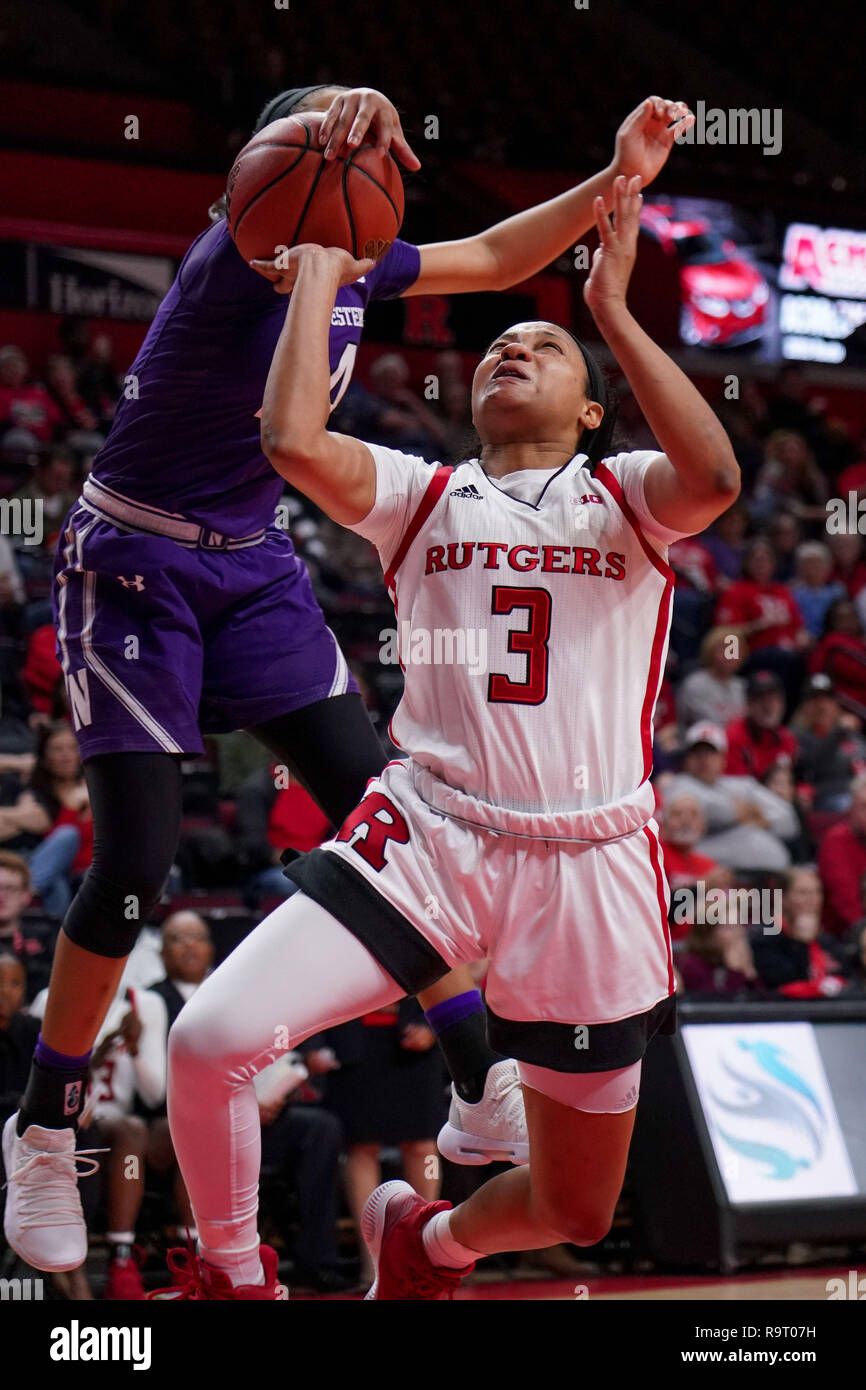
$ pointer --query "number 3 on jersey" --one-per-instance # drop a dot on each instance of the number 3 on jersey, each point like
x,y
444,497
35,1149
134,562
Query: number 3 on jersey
x,y
531,642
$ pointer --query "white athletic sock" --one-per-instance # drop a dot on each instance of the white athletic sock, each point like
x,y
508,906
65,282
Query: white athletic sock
x,y
241,1266
441,1247
120,1237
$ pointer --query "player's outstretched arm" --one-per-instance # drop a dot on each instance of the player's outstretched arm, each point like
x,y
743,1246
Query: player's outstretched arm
x,y
334,470
523,245
698,478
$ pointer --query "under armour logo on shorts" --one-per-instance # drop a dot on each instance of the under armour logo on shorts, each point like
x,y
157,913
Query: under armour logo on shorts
x,y
137,582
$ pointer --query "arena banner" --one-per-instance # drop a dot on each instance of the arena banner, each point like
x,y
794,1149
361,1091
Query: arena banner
x,y
770,1109
95,284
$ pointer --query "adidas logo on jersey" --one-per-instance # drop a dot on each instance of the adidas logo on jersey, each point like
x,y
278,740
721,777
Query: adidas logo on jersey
x,y
469,491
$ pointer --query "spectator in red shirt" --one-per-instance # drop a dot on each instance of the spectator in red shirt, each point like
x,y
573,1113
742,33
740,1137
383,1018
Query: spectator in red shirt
x,y
759,739
842,864
24,405
682,826
767,613
841,652
41,674
765,610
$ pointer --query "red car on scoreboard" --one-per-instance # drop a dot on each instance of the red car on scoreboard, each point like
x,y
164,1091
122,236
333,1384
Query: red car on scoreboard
x,y
724,297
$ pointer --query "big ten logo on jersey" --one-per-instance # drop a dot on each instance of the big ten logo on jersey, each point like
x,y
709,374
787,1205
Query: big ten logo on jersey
x,y
368,829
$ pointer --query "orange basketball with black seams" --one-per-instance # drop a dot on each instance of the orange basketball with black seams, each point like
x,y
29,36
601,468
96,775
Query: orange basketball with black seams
x,y
281,191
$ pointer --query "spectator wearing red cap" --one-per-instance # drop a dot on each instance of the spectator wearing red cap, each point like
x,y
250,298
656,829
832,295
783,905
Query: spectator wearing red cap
x,y
832,751
842,864
758,740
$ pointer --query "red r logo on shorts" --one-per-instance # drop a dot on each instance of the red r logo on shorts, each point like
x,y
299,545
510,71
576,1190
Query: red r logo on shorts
x,y
381,821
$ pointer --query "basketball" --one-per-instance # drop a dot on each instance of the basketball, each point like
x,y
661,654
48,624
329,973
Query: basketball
x,y
281,191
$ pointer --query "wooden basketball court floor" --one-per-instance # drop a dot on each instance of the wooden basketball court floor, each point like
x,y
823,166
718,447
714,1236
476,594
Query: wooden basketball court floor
x,y
796,1285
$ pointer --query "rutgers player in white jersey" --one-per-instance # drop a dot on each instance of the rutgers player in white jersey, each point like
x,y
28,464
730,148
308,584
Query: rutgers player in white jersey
x,y
519,826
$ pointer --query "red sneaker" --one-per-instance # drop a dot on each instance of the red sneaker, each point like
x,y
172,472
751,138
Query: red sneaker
x,y
194,1279
124,1280
391,1224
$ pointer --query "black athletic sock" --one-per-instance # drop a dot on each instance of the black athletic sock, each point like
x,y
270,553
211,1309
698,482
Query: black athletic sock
x,y
53,1097
461,1033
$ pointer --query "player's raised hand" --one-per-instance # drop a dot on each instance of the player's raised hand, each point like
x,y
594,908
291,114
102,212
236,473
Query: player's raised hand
x,y
646,137
282,271
354,114
614,258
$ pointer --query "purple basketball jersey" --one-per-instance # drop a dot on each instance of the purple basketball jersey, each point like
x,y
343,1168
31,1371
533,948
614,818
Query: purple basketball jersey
x,y
189,442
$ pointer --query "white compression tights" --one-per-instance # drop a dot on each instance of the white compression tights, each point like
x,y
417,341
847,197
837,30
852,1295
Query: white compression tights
x,y
300,971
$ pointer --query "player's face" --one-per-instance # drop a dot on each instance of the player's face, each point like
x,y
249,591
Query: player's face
x,y
531,386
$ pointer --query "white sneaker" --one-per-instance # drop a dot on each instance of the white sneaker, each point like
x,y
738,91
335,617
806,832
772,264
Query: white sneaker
x,y
43,1222
494,1129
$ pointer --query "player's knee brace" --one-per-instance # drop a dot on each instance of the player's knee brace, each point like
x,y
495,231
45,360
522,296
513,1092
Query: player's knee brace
x,y
108,910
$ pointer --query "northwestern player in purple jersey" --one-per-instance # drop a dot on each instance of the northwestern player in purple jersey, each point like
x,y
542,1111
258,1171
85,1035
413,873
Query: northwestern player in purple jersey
x,y
181,610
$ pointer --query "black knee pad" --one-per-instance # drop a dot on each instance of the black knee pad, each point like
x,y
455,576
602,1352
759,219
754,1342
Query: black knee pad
x,y
106,914
136,799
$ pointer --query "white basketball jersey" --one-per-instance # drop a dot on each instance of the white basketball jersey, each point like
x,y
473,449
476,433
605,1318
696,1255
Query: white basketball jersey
x,y
532,634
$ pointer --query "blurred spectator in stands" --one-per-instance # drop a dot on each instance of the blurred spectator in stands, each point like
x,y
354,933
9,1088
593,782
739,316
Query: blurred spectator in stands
x,y
387,1091
694,595
48,820
785,534
52,484
789,480
726,542
842,864
11,587
716,961
779,779
25,405
849,564
788,406
758,739
275,813
841,652
682,827
715,692
797,963
58,781
747,824
814,587
128,1065
856,983
18,1034
405,421
42,676
768,616
79,423
98,380
29,940
832,752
